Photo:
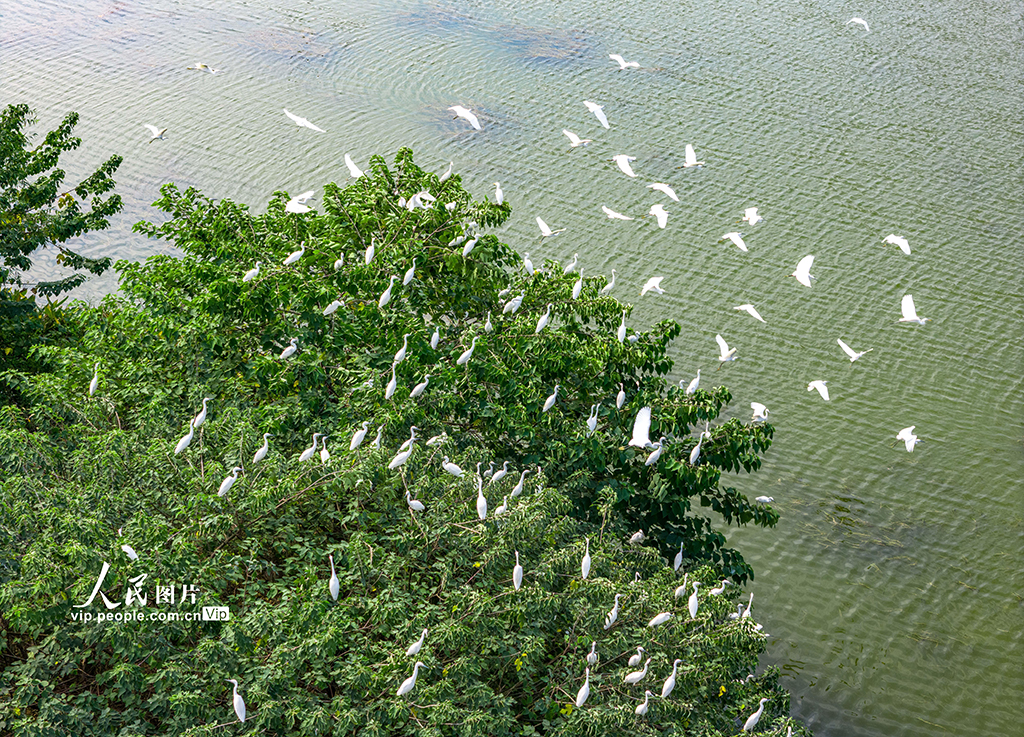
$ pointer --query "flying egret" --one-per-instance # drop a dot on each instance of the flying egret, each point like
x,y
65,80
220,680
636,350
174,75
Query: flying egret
x,y
513,305
670,682
820,386
585,566
752,720
324,455
302,122
726,353
642,428
908,437
592,420
467,354
389,390
290,350
621,333
661,187
503,472
252,273
660,213
297,203
577,288
545,231
414,649
652,285
200,67
678,562
692,387
691,158
613,615
637,538
623,64
620,398
637,676
157,133
518,488
692,603
598,112
898,241
332,307
550,401
481,500
862,22
584,693
910,312
750,215
354,171
295,255
308,452
592,655
130,552
719,589
660,619
414,504
749,309
226,484
201,417
499,196
410,683
420,388
612,215
641,709
517,574
622,161
185,441
543,321
401,457
656,454
386,297
370,251
333,585
764,499
262,452
736,238
237,701
575,140
571,266
854,355
461,112
410,273
760,412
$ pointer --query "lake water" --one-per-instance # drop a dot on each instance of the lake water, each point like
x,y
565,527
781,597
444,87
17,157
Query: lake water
x,y
892,587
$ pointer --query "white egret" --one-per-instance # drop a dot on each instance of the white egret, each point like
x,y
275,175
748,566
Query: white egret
x,y
513,305
297,203
157,133
389,390
499,196
737,240
528,264
546,231
324,455
481,500
438,439
488,326
750,215
467,354
468,248
332,307
499,475
725,352
386,297
656,454
641,709
261,453
691,158
750,604
517,574
612,215
598,112
719,589
803,269
662,187
410,273
910,312
130,552
660,619
571,266
613,615
750,310
592,655
908,437
370,251
400,458
681,589
518,488
695,452
201,417
400,355
333,584
376,440
302,122
585,566
692,387
752,720
660,213
543,321
252,273
295,255
760,412
678,562
623,64
226,484
550,401
461,112
578,286
652,285
584,693
414,504
859,21
95,379
185,441
670,682
592,420
854,355
358,436
610,285
435,339
898,241
692,603
634,660
308,452
575,140
637,538
622,161
420,388
354,171
290,350
200,67
503,507
410,683
621,332
620,398
820,387
339,262
764,499
642,428
237,702
738,613
637,676
414,649
451,468
447,173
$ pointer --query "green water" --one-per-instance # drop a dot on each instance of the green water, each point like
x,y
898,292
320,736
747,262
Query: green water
x,y
892,585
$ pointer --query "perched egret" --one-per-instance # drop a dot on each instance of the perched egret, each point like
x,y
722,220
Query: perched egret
x,y
438,439
528,264
376,440
634,660
719,589
499,196
226,484
481,500
621,332
201,417
332,307
467,354
461,112
389,390
420,388
660,619
750,310
295,255
308,452
410,683
518,488
571,266
854,355
386,297
692,603
760,412
324,455
237,701
371,250
488,326
95,379
898,241
410,273
575,140
652,285
613,615
764,499
670,682
750,604
513,305
692,387
358,437
592,420
641,709
185,441
660,213
598,112
585,566
637,676
642,428
738,613
435,339
252,273
737,240
592,655
803,269
550,401
339,262
584,693
620,398
678,562
662,187
543,321
452,468
656,454
400,355
623,64
157,133
290,350
910,312
130,552
503,507
908,437
622,161
468,248
726,353
499,475
414,504
681,589
752,720
517,574
261,453
864,23
333,585
637,538
447,173
750,215
302,122
821,388
297,203
695,453
610,285
354,171
414,649
691,157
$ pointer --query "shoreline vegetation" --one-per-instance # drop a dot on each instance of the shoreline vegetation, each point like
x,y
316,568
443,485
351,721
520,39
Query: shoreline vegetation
x,y
367,589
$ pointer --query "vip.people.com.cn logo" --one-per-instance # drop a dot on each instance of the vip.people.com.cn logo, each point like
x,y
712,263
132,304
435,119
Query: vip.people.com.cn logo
x,y
216,614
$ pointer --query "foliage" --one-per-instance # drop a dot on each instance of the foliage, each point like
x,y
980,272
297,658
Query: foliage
x,y
83,475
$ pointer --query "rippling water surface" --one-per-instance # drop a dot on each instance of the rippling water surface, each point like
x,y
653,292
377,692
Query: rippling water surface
x,y
892,585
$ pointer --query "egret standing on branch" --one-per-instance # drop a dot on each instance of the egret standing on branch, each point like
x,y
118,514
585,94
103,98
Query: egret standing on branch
x,y
237,701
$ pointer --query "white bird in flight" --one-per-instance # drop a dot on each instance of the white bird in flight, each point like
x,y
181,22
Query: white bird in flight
x,y
803,271
691,158
653,285
642,428
623,64
910,312
662,187
354,171
760,412
302,122
130,552
859,21
158,133
750,215
898,241
659,212
612,215
820,386
749,309
461,112
545,231
726,353
296,203
598,111
622,161
575,140
854,355
736,239
908,437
